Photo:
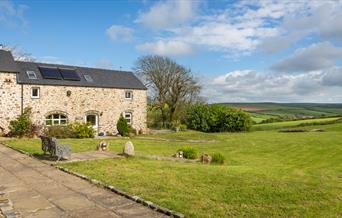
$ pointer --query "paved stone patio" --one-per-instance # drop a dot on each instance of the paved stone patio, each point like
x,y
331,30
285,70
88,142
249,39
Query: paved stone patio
x,y
39,190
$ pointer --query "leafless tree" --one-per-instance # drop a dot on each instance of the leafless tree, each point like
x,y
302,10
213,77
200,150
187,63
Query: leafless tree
x,y
170,84
17,53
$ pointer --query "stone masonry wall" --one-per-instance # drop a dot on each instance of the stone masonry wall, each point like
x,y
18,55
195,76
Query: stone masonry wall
x,y
10,94
107,103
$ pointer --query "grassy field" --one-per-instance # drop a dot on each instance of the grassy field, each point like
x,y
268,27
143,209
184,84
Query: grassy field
x,y
266,173
263,111
296,123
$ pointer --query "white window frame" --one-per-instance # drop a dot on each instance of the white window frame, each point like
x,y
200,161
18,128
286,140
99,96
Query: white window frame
x,y
38,92
59,119
131,95
31,73
130,122
96,126
88,78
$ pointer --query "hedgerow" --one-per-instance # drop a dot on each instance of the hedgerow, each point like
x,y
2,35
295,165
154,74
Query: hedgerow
x,y
217,118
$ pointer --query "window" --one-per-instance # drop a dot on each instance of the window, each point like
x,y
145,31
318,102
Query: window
x,y
128,94
88,78
50,73
56,119
69,74
31,74
128,117
59,73
93,120
35,92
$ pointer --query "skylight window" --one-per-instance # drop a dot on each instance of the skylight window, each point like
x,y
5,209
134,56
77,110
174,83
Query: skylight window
x,y
88,78
69,74
31,74
50,73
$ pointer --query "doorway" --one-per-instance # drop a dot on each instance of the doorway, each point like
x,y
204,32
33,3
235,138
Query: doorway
x,y
93,120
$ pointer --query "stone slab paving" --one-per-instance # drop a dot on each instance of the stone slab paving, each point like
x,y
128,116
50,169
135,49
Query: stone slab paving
x,y
39,190
6,206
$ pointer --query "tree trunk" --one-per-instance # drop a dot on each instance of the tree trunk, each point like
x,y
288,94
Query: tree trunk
x,y
172,111
164,118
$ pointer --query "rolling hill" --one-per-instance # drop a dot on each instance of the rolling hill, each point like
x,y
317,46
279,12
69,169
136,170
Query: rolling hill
x,y
291,111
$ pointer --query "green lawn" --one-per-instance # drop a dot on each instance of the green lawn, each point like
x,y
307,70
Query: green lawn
x,y
266,174
33,146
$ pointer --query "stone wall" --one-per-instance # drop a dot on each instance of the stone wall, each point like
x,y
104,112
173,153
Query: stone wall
x,y
10,94
107,103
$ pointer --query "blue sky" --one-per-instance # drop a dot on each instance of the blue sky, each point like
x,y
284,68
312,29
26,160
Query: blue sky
x,y
241,51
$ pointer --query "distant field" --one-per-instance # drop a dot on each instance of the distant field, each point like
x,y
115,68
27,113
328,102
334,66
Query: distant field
x,y
299,123
263,111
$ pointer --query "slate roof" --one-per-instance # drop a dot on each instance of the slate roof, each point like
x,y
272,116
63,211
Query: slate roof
x,y
101,77
7,63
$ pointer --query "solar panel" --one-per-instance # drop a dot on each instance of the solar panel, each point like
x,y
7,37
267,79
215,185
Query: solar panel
x,y
69,74
50,73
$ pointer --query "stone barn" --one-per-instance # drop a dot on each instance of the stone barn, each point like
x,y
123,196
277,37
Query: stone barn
x,y
60,94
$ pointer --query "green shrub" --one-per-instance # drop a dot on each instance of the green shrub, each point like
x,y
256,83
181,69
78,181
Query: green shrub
x,y
83,130
178,126
123,127
189,152
35,130
217,158
21,126
198,117
217,118
183,127
60,132
74,130
234,120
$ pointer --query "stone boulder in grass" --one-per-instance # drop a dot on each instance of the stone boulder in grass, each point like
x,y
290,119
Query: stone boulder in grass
x,y
128,149
205,158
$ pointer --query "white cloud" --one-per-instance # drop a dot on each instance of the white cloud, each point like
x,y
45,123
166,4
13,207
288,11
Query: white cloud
x,y
308,75
121,33
168,14
237,29
253,86
315,57
321,18
223,36
13,15
333,77
276,44
168,48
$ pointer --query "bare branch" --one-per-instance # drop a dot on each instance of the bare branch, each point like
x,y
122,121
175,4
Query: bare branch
x,y
170,83
18,54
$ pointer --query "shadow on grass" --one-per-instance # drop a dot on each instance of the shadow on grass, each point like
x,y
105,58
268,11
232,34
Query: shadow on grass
x,y
44,157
